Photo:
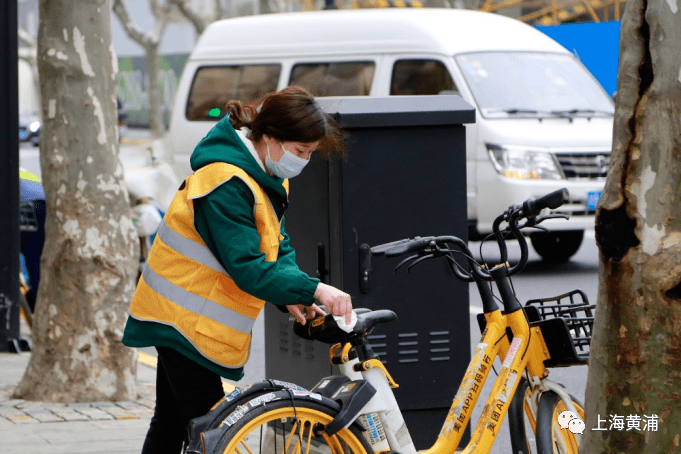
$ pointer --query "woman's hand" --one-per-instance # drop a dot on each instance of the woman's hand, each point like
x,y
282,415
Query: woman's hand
x,y
303,313
337,302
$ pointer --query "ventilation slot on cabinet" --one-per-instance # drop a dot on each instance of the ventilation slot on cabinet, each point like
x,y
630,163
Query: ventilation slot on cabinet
x,y
378,344
439,345
408,348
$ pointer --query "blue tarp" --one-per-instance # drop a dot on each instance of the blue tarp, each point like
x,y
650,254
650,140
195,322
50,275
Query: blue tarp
x,y
595,44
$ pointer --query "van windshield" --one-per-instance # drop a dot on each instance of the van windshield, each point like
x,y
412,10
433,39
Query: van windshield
x,y
533,84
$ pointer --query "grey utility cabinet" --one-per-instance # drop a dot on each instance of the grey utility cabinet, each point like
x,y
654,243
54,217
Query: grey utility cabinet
x,y
404,176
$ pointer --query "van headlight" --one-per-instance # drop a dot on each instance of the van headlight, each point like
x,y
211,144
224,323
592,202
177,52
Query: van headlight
x,y
524,163
34,126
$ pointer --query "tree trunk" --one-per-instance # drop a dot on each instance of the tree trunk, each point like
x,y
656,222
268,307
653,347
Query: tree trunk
x,y
635,363
91,251
150,41
156,123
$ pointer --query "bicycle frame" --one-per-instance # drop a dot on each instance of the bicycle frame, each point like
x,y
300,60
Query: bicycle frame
x,y
507,335
526,351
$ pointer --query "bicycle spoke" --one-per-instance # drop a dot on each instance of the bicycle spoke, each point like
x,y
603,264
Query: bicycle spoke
x,y
294,432
243,443
309,438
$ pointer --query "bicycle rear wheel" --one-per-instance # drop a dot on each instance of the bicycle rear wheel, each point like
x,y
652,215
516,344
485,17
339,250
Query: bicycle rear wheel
x,y
551,438
282,428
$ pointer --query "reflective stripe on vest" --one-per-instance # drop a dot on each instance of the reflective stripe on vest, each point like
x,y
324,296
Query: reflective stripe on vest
x,y
189,248
186,287
196,304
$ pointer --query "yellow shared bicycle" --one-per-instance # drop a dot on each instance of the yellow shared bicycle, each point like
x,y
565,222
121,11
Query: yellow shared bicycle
x,y
356,410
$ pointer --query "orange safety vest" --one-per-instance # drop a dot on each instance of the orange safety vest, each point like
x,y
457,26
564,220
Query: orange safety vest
x,y
186,287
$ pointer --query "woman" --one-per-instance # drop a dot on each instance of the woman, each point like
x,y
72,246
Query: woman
x,y
221,252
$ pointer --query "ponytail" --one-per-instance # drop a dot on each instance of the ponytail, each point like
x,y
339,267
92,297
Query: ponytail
x,y
291,115
241,116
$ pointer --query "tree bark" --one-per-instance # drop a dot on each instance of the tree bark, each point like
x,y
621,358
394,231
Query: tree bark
x,y
91,250
635,362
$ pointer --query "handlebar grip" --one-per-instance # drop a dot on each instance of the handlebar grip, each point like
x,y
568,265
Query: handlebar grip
x,y
532,207
408,246
381,248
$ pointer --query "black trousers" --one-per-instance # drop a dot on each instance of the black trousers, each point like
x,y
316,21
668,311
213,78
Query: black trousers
x,y
184,390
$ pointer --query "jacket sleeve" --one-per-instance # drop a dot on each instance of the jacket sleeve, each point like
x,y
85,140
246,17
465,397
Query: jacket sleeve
x,y
287,255
225,221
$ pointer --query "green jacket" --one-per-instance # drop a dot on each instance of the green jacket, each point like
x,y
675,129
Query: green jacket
x,y
224,219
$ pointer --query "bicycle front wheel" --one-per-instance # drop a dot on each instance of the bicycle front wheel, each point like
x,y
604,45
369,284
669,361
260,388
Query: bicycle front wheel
x,y
552,438
283,428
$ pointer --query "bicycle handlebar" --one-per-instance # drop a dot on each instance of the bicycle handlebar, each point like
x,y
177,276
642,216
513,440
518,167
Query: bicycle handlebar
x,y
379,250
408,246
532,207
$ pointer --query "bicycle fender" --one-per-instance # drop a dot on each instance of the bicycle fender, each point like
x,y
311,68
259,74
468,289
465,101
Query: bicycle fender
x,y
227,405
210,438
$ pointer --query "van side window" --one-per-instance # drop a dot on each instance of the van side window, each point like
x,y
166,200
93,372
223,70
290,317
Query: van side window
x,y
214,86
420,77
334,79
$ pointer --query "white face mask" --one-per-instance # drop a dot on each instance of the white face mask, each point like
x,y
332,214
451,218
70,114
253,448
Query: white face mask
x,y
288,166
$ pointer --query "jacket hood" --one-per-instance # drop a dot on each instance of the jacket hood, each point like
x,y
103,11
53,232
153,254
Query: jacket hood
x,y
223,144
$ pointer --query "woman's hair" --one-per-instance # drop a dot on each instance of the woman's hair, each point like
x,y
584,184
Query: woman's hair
x,y
290,115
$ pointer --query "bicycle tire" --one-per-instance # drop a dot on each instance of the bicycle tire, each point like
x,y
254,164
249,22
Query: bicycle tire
x,y
551,439
277,428
521,420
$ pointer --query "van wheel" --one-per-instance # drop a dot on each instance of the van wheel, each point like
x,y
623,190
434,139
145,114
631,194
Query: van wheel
x,y
557,246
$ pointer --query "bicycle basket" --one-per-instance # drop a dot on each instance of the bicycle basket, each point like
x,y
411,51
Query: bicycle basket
x,y
566,322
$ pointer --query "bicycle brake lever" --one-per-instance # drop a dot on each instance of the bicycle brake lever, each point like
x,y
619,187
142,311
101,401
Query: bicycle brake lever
x,y
404,262
551,216
419,260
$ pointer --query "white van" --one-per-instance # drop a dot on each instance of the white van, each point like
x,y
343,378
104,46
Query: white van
x,y
543,121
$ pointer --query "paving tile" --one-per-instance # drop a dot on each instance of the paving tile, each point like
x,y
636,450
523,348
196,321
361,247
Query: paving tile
x,y
120,413
12,402
53,406
127,404
29,404
103,404
79,405
94,413
26,419
43,415
69,414
11,412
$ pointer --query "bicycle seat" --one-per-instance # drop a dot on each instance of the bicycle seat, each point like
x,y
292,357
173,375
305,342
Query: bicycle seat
x,y
324,328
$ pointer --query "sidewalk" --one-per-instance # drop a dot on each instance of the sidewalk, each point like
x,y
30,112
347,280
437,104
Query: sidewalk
x,y
89,428
47,428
